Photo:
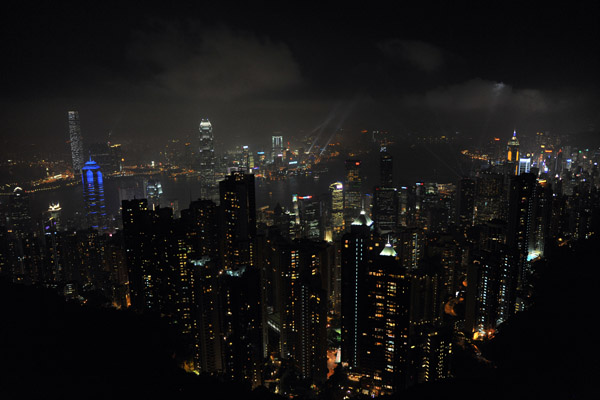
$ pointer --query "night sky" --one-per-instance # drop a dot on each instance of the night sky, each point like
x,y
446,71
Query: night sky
x,y
152,73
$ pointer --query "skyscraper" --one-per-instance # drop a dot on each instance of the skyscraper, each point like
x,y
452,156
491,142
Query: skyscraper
x,y
298,297
238,220
76,142
239,292
245,162
208,354
153,193
352,192
277,147
466,199
356,246
337,207
513,152
491,280
19,212
385,209
386,168
524,165
309,216
490,197
386,331
93,196
54,211
202,229
521,218
206,158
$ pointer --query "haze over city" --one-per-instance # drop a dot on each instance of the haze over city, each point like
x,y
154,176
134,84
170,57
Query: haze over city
x,y
151,73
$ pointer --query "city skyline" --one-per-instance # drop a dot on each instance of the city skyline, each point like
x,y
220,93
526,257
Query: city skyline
x,y
298,201
286,300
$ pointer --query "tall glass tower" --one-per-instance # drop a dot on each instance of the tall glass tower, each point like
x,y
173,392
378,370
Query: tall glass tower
x,y
206,158
336,190
93,196
352,192
277,147
76,141
513,152
386,168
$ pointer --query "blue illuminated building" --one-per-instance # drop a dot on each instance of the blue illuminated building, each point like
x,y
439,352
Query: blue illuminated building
x,y
93,196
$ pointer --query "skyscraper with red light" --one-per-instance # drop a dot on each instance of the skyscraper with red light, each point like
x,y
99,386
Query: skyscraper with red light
x,y
352,191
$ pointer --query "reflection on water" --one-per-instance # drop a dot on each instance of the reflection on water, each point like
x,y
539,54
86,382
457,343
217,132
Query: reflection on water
x,y
411,164
181,189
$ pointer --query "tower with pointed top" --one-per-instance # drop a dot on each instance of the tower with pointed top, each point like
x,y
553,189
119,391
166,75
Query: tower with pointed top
x,y
386,332
388,250
513,152
206,158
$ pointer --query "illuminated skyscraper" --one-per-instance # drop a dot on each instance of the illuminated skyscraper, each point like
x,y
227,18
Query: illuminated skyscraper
x,y
142,268
411,245
202,230
239,292
208,355
352,192
277,147
356,249
54,267
54,211
386,331
385,209
375,309
337,207
483,295
524,165
247,162
513,152
309,215
93,196
386,168
206,158
238,220
521,218
19,212
435,357
76,142
513,148
299,299
153,193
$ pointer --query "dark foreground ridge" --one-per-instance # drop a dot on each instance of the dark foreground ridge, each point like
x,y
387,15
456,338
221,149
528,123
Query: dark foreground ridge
x,y
50,348
53,349
545,352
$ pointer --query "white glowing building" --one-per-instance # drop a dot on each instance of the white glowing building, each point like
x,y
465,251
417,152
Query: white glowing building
x,y
206,158
76,142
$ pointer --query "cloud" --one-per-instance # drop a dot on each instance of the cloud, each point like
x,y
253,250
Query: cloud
x,y
421,55
213,63
482,95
